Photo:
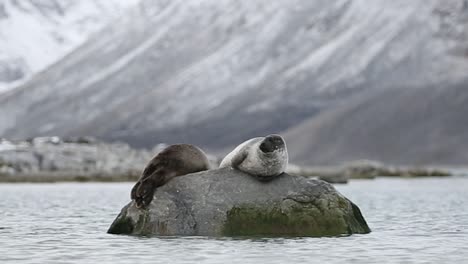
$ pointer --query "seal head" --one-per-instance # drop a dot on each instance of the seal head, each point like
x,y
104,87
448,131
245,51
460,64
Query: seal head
x,y
263,157
272,143
173,161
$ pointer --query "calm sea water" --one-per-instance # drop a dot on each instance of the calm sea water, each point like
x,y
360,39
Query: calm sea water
x,y
413,221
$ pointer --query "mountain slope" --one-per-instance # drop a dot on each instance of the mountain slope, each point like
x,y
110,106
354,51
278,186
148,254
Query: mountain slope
x,y
425,126
214,73
36,33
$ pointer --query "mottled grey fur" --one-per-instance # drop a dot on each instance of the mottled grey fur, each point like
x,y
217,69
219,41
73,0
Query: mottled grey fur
x,y
262,157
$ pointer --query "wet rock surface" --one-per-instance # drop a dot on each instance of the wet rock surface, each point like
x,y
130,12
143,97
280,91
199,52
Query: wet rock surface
x,y
226,202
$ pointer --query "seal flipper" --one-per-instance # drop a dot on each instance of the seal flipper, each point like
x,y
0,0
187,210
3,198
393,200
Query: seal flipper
x,y
238,159
134,189
144,192
149,172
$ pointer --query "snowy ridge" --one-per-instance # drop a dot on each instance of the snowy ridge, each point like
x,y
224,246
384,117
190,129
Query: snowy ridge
x,y
35,34
198,70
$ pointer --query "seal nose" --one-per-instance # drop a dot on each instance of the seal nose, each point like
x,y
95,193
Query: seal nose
x,y
271,143
275,138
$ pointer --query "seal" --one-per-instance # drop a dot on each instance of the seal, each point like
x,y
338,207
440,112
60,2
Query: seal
x,y
173,161
262,157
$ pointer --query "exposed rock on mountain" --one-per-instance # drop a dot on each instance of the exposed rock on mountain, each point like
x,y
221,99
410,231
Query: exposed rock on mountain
x,y
36,33
73,159
54,159
214,73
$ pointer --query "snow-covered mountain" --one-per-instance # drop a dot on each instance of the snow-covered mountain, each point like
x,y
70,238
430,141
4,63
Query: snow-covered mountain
x,y
36,33
214,73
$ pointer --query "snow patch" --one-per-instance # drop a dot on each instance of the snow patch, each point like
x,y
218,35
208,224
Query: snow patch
x,y
42,33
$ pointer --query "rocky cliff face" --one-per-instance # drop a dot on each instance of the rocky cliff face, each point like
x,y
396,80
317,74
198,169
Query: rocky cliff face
x,y
34,34
214,73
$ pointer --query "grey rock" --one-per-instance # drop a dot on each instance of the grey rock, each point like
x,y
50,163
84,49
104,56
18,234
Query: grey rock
x,y
226,202
12,70
328,174
3,12
369,169
336,178
50,158
73,159
363,169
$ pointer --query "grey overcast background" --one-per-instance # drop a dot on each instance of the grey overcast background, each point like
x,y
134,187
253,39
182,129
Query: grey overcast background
x,y
341,80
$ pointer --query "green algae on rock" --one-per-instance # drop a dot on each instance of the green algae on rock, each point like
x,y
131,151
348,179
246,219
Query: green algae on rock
x,y
226,202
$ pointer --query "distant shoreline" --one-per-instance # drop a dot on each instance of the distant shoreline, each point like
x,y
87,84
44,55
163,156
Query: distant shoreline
x,y
52,159
330,174
57,177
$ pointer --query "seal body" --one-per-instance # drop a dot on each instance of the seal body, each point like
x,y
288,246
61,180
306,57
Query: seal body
x,y
261,157
173,161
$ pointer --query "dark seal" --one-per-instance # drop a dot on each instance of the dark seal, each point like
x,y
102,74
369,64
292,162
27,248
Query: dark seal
x,y
173,161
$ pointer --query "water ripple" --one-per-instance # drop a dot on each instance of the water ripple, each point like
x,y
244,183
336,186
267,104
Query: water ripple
x,y
413,221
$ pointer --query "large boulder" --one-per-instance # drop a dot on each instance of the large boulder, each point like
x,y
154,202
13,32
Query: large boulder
x,y
226,202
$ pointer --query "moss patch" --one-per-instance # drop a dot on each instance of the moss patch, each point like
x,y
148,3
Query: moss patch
x,y
298,219
141,226
357,223
122,225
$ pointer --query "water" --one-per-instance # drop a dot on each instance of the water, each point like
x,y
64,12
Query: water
x,y
413,221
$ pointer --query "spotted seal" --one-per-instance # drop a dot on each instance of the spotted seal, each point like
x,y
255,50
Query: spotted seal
x,y
262,157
